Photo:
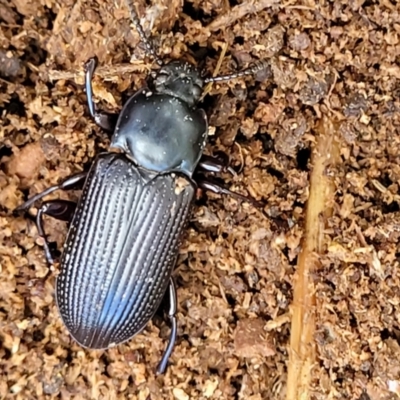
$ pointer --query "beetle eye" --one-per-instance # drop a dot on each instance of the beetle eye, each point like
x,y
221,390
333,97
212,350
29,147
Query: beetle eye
x,y
196,91
164,72
162,77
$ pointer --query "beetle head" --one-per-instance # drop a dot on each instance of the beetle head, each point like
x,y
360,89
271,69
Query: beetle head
x,y
180,79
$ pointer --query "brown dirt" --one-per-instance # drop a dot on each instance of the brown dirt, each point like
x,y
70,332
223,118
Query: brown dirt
x,y
333,70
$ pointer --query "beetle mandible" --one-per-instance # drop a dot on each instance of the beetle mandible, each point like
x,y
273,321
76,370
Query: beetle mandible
x,y
123,238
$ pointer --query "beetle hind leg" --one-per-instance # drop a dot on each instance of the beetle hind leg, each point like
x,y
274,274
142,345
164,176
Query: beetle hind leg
x,y
104,120
162,366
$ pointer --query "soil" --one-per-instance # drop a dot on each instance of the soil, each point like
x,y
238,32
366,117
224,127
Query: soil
x,y
306,288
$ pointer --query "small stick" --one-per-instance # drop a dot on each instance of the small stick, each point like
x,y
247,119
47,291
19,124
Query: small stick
x,y
105,72
216,70
239,11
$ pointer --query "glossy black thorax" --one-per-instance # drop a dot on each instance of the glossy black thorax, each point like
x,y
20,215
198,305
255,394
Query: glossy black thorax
x,y
161,132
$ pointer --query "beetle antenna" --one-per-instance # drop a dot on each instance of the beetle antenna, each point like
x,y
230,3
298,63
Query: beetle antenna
x,y
146,41
252,70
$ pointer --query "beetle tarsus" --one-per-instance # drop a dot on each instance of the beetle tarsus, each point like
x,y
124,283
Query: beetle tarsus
x,y
104,120
162,366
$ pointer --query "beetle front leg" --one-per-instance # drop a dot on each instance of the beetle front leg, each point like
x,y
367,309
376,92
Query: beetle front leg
x,y
217,164
103,119
218,189
62,210
174,327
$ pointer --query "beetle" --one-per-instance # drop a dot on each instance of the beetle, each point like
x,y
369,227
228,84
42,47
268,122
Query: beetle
x,y
123,239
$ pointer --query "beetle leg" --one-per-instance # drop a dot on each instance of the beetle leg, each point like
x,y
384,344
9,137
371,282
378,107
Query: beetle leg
x,y
70,183
174,327
105,120
59,209
218,189
218,164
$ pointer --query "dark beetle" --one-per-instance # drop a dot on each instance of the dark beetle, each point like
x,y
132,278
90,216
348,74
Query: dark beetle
x,y
122,242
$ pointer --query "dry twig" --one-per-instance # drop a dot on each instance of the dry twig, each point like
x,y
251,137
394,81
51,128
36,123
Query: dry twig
x,y
239,11
105,71
224,48
302,346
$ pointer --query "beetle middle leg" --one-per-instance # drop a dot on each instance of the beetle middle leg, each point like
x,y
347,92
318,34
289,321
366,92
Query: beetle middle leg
x,y
162,366
103,119
72,182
